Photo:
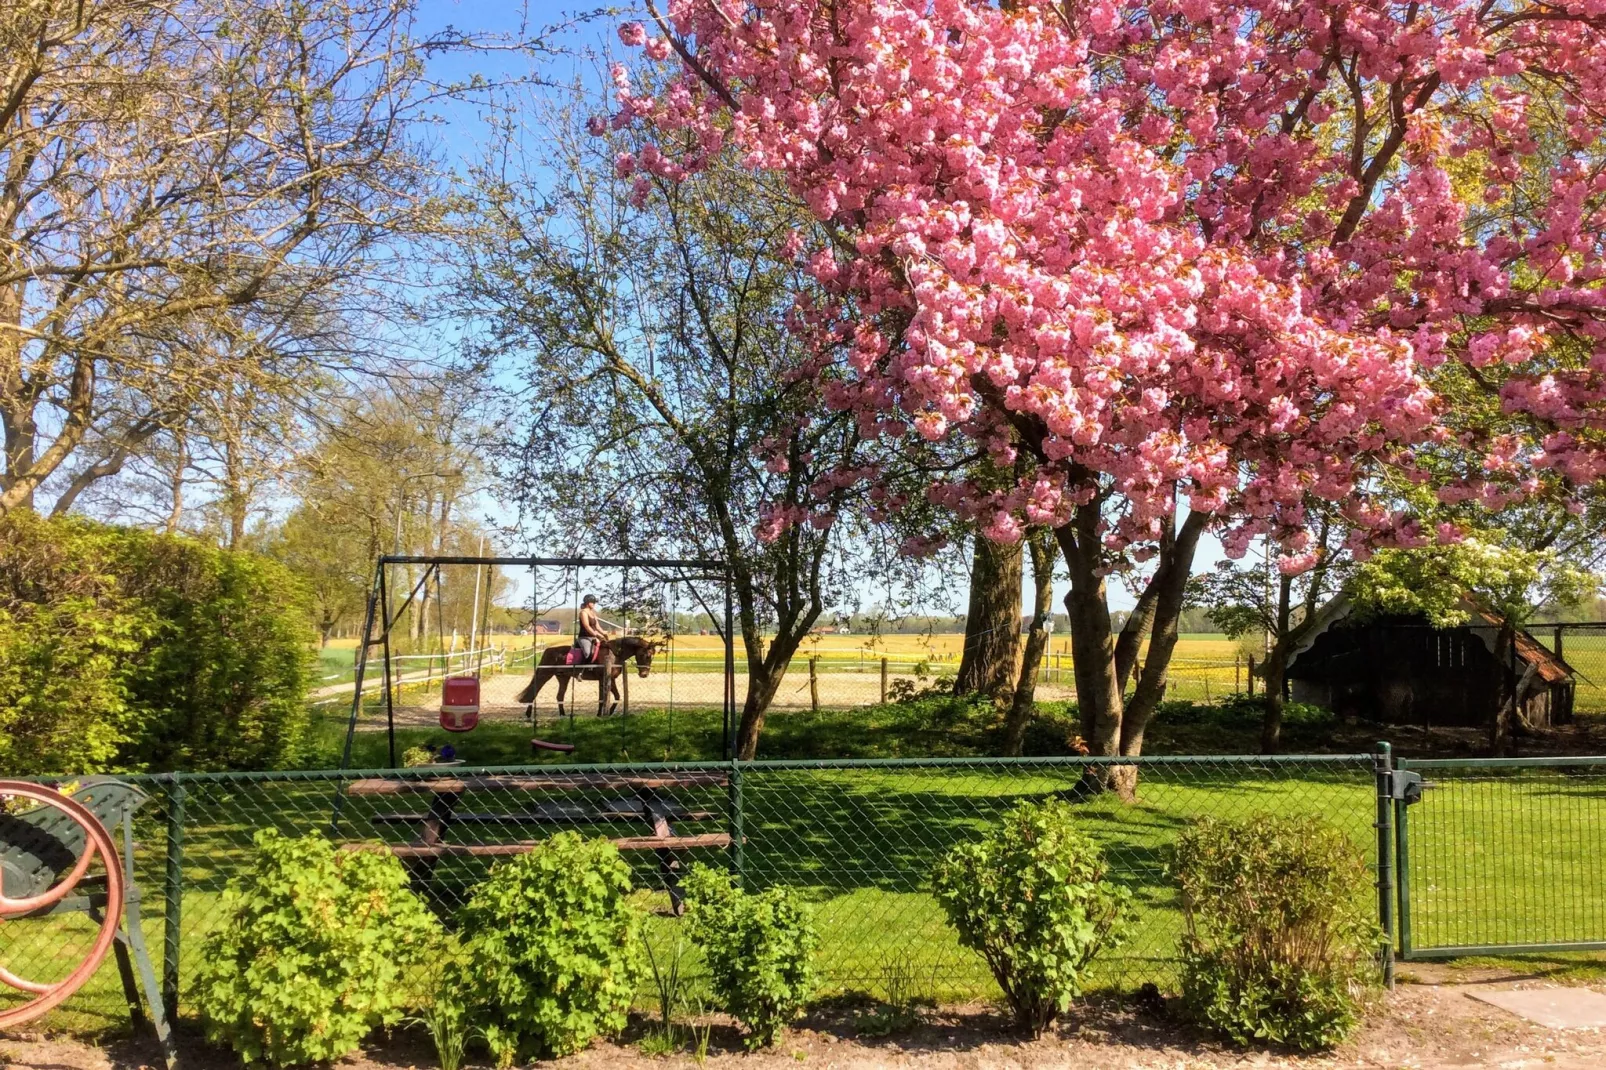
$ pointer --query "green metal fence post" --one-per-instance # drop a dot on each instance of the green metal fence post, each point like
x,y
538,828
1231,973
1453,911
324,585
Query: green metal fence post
x,y
1402,872
1383,770
737,833
173,895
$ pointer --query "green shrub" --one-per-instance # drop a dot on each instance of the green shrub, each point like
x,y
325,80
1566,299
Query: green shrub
x,y
315,950
1033,899
124,649
224,682
757,947
551,948
67,637
1279,935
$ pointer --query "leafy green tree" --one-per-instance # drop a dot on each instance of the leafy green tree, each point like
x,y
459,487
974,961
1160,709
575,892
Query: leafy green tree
x,y
331,561
397,471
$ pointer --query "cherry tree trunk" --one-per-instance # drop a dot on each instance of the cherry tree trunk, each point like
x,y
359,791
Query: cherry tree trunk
x,y
761,688
1271,724
1112,724
1502,722
1023,704
992,625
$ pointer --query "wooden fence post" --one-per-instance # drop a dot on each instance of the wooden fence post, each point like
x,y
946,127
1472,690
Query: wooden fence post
x,y
814,684
883,681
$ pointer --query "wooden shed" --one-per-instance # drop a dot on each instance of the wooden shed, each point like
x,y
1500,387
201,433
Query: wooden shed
x,y
1402,670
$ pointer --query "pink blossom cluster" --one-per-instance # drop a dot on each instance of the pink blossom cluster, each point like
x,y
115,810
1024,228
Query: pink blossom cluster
x,y
1180,248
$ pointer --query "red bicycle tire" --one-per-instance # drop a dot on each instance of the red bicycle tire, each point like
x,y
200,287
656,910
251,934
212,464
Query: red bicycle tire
x,y
97,839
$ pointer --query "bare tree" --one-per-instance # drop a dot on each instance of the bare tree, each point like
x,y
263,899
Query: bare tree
x,y
659,376
182,170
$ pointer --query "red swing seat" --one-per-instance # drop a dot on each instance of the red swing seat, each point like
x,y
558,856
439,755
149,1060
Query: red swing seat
x,y
460,703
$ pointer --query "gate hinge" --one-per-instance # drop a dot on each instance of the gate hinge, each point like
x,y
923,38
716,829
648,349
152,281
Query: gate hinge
x,y
1406,786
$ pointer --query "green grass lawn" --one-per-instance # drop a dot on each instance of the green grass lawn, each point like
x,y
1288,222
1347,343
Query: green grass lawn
x,y
860,844
940,727
1495,859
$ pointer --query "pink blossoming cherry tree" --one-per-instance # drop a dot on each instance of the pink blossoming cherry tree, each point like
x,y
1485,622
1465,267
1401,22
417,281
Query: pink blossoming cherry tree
x,y
1200,262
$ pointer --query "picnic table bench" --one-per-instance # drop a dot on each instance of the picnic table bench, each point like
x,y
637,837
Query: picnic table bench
x,y
641,801
46,851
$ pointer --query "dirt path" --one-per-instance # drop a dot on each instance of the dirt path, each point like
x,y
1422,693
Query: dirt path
x,y
1421,1026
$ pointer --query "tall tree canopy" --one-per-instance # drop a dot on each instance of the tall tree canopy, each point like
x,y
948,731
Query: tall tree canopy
x,y
180,182
665,409
1198,261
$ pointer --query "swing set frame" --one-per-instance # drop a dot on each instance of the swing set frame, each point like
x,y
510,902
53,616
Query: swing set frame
x,y
378,611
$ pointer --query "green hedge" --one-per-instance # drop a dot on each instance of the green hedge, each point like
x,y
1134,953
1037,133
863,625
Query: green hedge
x,y
125,649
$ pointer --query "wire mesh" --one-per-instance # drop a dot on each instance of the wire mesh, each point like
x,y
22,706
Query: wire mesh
x,y
1504,854
858,839
1583,647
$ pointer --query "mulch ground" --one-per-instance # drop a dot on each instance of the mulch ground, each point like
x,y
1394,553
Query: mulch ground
x,y
1432,1025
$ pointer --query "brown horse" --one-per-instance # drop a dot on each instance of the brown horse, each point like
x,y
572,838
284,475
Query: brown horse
x,y
609,665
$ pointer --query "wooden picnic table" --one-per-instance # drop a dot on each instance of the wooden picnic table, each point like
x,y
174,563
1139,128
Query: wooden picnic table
x,y
643,803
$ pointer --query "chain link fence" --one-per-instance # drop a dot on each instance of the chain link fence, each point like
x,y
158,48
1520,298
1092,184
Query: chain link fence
x,y
1583,647
859,839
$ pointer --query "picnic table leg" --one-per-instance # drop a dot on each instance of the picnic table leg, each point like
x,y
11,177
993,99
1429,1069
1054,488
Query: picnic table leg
x,y
134,935
668,864
432,833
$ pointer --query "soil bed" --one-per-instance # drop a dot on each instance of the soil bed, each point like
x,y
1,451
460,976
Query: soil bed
x,y
1433,1026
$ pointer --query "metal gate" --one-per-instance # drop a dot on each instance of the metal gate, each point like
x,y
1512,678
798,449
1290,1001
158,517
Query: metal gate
x,y
1500,855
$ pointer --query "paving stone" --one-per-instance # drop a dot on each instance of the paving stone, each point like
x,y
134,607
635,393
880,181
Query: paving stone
x,y
1554,1008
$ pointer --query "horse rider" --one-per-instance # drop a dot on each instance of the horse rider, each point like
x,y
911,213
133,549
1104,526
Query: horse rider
x,y
591,630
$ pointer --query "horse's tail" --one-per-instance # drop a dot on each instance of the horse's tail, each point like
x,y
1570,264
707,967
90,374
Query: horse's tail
x,y
527,696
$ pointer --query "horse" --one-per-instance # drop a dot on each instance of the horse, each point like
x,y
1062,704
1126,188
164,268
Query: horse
x,y
554,663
